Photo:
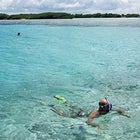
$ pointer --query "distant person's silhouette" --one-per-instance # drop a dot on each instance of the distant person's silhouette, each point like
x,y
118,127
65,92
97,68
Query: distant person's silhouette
x,y
18,34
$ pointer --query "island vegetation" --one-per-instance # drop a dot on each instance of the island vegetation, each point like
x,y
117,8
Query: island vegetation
x,y
62,15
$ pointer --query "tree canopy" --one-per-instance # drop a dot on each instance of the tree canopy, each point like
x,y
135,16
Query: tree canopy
x,y
62,15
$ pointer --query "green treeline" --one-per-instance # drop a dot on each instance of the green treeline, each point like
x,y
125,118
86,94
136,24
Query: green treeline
x,y
54,15
49,15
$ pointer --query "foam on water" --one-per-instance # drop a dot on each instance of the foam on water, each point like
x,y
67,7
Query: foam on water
x,y
83,64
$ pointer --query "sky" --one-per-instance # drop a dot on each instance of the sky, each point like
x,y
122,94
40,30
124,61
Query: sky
x,y
70,6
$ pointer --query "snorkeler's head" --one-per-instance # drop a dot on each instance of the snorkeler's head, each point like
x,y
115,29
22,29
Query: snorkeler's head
x,y
103,101
105,105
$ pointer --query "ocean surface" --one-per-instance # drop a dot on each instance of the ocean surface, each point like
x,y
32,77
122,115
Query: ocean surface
x,y
83,60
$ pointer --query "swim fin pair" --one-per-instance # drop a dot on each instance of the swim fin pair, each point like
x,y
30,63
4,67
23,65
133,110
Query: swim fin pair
x,y
60,98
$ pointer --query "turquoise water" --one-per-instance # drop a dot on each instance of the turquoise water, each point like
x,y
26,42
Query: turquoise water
x,y
82,62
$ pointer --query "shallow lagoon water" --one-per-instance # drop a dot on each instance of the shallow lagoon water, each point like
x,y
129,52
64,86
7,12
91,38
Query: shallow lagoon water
x,y
76,60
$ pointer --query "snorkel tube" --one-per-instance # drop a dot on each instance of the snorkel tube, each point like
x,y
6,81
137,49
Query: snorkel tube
x,y
106,100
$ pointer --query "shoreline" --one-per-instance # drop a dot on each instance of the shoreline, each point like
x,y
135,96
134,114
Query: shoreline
x,y
86,22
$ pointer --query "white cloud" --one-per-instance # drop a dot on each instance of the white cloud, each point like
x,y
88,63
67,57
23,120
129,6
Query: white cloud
x,y
64,5
71,6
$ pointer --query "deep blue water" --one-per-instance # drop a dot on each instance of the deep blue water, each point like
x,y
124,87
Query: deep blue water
x,y
79,59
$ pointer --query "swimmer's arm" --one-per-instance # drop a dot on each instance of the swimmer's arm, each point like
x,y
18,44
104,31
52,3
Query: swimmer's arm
x,y
121,112
92,115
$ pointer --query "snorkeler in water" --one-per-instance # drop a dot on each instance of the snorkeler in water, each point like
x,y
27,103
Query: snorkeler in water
x,y
104,108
